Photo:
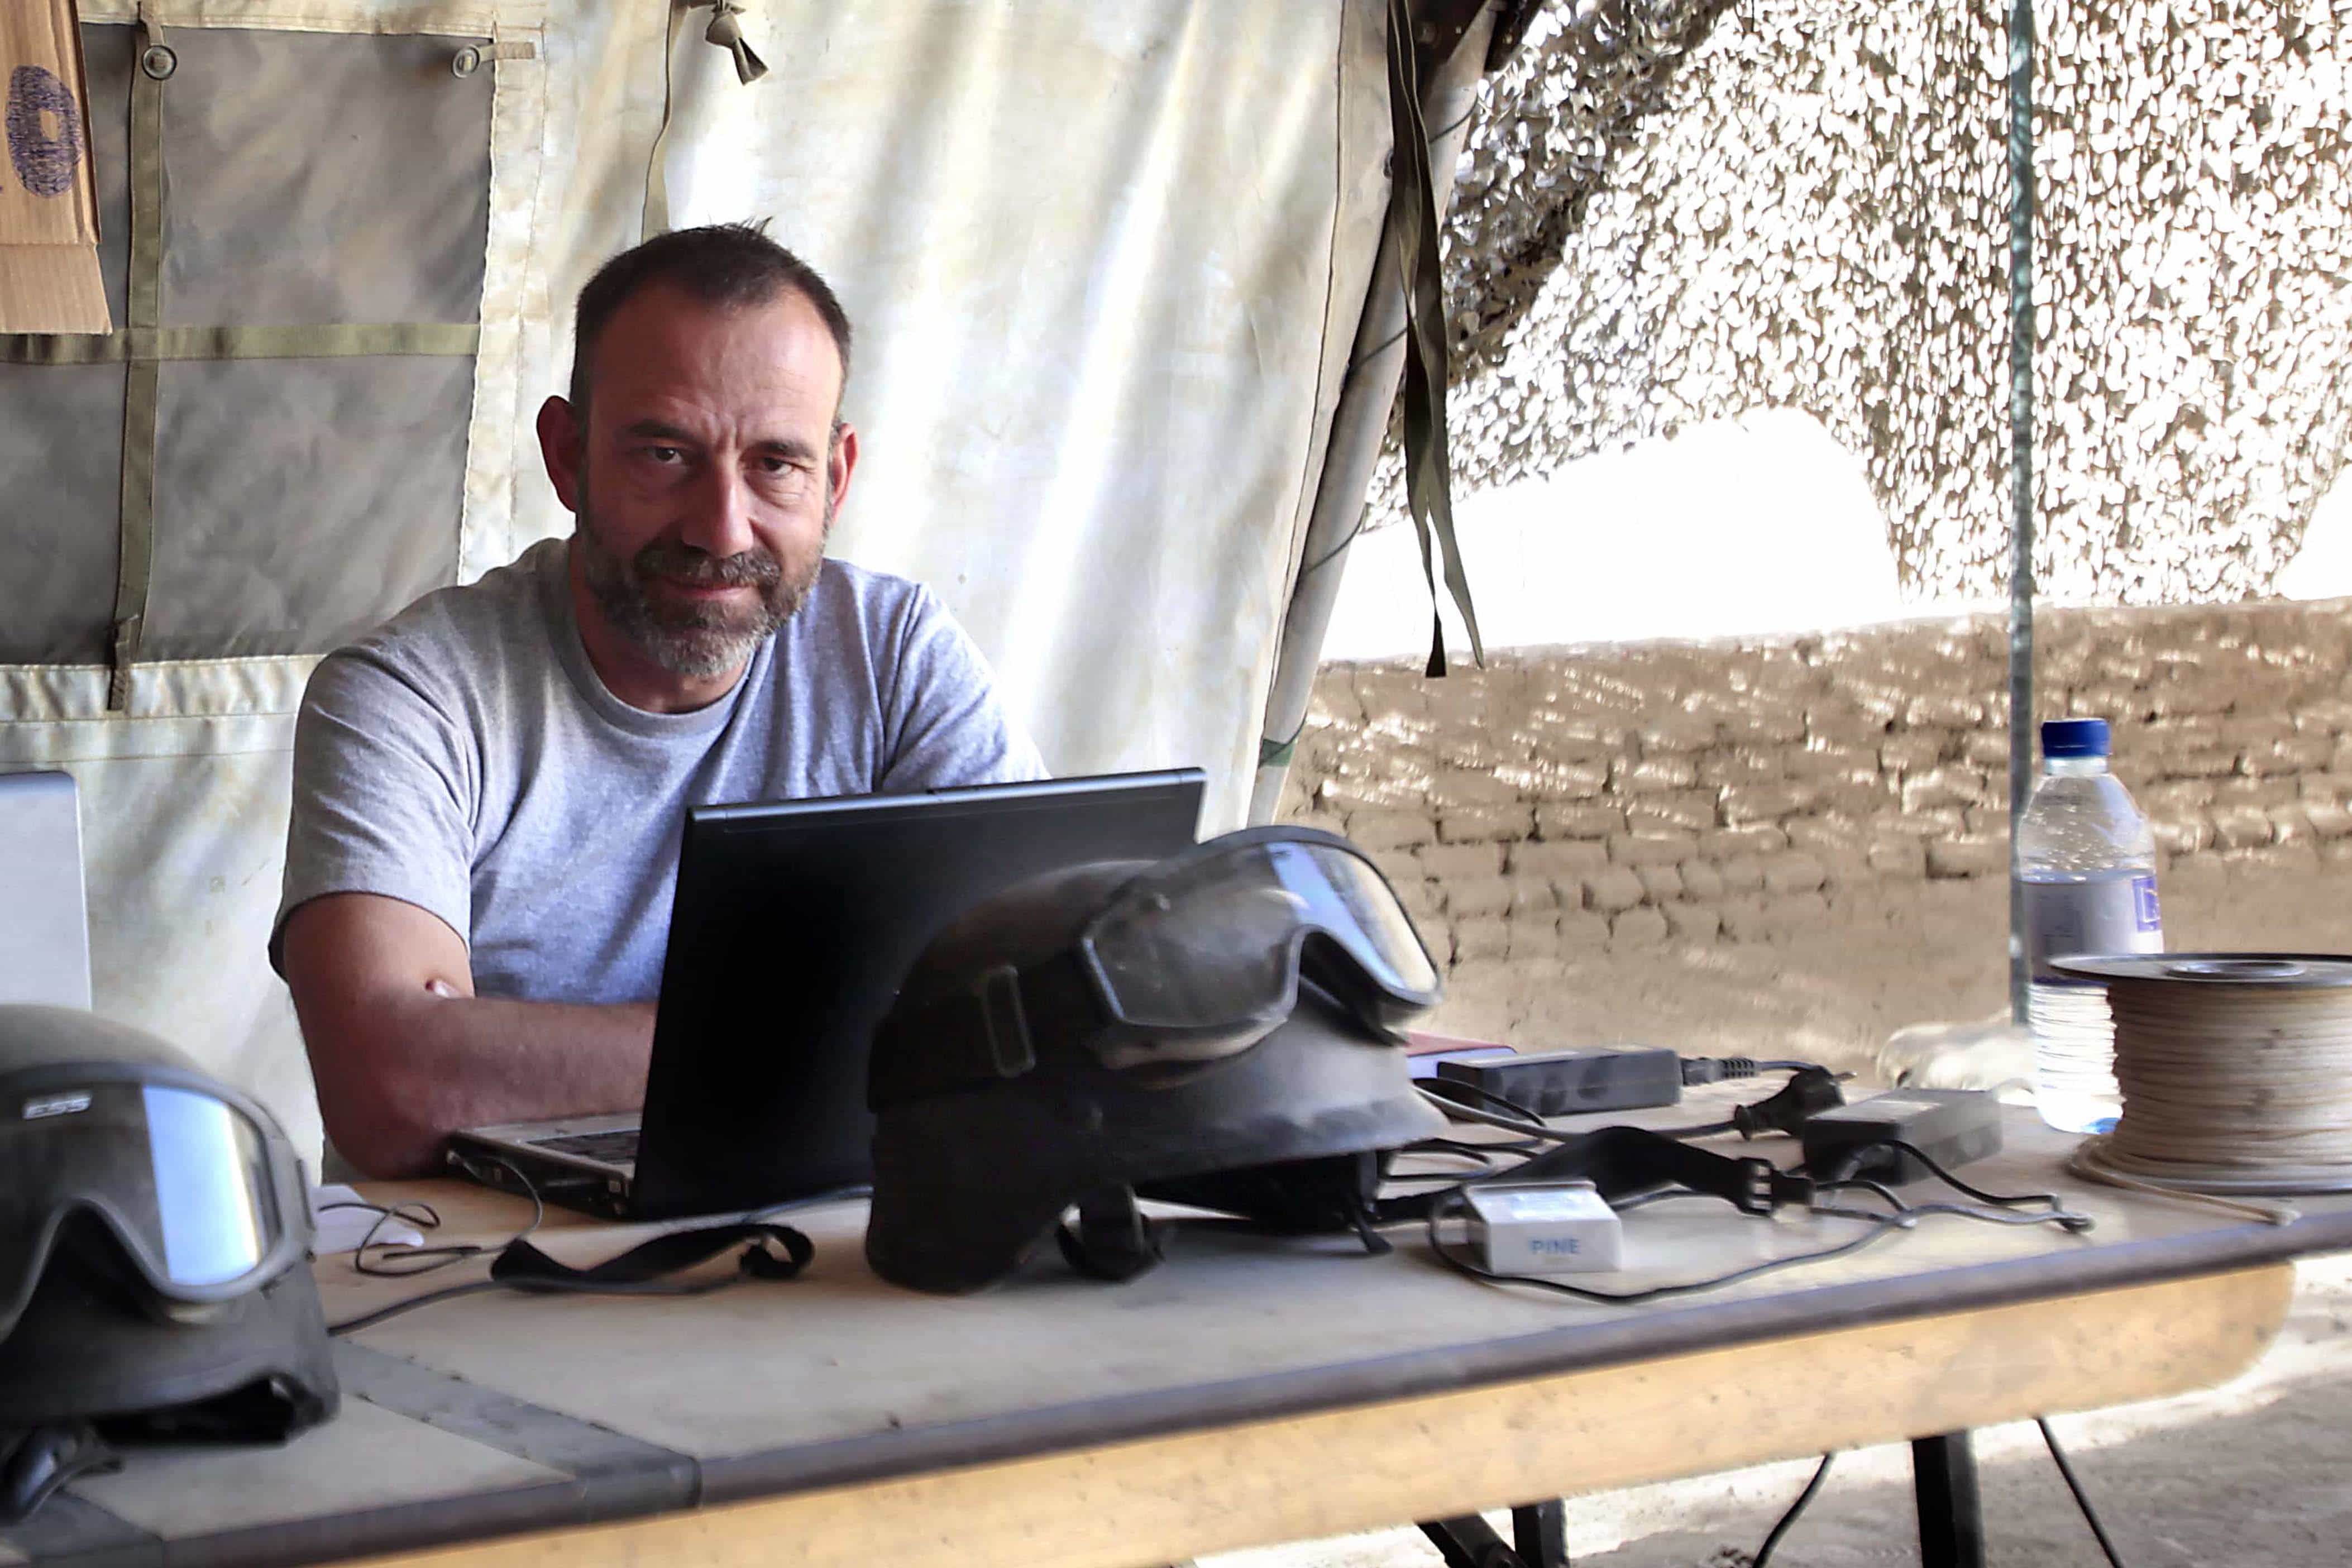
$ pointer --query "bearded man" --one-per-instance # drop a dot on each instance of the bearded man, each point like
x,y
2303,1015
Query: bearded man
x,y
489,790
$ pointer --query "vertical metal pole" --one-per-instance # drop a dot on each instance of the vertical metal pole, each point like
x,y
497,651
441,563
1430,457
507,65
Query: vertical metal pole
x,y
2020,472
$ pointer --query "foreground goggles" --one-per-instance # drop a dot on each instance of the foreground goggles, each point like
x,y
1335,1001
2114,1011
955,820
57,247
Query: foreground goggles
x,y
1205,949
1190,960
193,1180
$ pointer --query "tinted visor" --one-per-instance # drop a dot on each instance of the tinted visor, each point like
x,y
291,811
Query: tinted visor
x,y
1211,941
183,1179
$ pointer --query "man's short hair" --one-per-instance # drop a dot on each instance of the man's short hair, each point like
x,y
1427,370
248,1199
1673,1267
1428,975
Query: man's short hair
x,y
729,266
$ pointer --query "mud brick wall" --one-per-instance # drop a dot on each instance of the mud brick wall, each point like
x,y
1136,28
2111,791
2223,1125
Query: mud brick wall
x,y
1812,834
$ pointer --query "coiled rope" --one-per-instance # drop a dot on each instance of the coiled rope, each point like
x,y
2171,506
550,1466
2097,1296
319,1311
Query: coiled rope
x,y
2236,1075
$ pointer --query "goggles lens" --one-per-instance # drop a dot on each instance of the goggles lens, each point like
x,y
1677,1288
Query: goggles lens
x,y
212,1187
1210,942
184,1180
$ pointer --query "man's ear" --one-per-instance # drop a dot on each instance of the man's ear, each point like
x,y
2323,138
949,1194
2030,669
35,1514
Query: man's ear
x,y
561,443
840,461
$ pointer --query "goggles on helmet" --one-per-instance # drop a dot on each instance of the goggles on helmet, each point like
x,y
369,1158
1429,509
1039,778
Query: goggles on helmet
x,y
1206,948
193,1180
1192,959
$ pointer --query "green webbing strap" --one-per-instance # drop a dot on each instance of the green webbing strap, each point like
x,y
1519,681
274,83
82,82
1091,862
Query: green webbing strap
x,y
1274,753
341,341
1413,227
135,560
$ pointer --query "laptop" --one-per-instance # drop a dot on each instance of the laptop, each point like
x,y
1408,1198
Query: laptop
x,y
793,925
44,918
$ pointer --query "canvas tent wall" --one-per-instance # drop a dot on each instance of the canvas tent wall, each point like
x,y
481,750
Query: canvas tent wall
x,y
1104,257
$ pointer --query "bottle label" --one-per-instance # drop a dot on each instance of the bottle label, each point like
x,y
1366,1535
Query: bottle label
x,y
2116,913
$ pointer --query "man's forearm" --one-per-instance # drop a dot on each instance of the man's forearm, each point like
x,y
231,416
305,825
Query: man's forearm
x,y
431,1064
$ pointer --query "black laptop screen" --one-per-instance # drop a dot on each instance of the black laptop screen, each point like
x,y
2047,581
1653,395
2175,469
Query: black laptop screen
x,y
793,923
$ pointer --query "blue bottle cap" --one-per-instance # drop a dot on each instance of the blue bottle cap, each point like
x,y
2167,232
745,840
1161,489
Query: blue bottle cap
x,y
2074,738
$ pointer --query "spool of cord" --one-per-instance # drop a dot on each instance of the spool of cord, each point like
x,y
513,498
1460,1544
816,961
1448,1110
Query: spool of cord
x,y
2236,1072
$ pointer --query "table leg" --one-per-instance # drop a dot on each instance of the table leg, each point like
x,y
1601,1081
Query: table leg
x,y
1539,1532
1951,1521
1539,1539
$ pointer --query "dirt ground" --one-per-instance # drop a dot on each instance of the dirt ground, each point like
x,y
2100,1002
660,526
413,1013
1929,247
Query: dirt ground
x,y
2257,1472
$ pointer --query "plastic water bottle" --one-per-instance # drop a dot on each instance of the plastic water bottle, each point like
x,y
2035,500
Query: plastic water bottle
x,y
2088,863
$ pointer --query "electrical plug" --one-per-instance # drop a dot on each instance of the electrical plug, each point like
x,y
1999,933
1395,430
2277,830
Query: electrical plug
x,y
1809,1092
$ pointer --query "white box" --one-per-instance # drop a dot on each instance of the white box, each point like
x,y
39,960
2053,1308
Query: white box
x,y
1544,1227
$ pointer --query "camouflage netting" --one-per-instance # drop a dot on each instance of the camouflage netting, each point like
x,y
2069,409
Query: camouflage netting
x,y
1674,211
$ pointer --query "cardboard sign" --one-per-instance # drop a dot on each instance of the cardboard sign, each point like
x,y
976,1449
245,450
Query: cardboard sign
x,y
49,280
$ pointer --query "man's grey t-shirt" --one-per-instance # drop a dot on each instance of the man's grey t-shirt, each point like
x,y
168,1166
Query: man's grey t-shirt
x,y
465,758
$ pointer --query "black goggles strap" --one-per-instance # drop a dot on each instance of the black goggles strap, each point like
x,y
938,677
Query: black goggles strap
x,y
770,1252
985,1035
37,1462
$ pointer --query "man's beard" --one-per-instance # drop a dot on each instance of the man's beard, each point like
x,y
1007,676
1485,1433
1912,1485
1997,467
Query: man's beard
x,y
696,640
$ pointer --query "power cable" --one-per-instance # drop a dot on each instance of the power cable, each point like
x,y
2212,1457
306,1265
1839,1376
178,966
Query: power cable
x,y
1520,1120
1780,1526
2074,1484
1879,1225
2082,1498
517,1266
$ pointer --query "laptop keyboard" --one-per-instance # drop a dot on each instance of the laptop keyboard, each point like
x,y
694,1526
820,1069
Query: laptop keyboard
x,y
615,1148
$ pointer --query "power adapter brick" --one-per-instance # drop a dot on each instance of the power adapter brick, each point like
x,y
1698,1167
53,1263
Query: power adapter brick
x,y
1543,1227
1951,1126
1565,1083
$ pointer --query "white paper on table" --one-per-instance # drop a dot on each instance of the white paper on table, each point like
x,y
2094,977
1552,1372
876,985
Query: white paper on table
x,y
342,1229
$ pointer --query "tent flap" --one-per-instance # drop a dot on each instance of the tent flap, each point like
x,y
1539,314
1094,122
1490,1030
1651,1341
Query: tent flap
x,y
278,488
1103,258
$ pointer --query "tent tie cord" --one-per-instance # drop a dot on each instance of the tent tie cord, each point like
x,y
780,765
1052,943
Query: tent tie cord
x,y
1267,749
726,32
1413,230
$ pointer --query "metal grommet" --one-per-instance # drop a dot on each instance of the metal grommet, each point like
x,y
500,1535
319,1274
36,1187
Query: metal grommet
x,y
466,62
159,62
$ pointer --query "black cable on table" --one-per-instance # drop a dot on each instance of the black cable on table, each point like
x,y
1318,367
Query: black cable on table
x,y
457,1254
449,1293
1902,1215
1900,1207
1517,1118
1468,1150
1879,1225
1705,1129
1852,1157
423,1259
536,1284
